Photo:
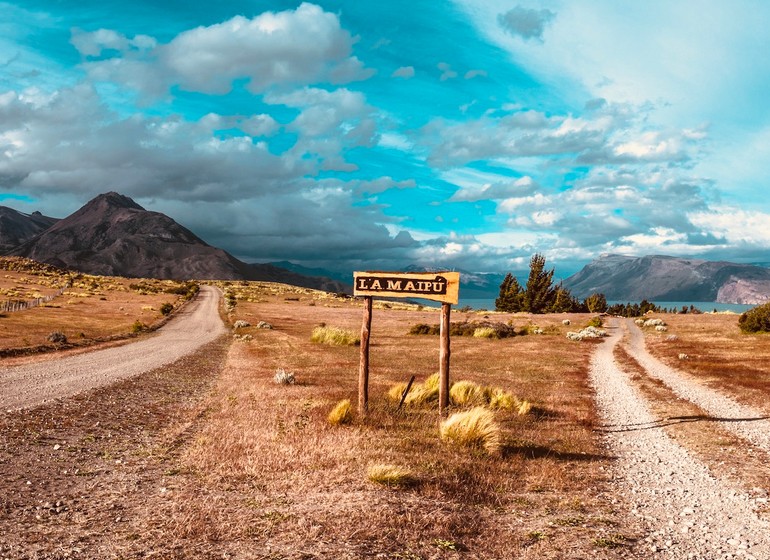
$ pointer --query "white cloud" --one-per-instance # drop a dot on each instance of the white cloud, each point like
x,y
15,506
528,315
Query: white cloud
x,y
289,48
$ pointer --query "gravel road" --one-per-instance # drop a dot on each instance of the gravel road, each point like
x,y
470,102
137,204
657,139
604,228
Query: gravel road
x,y
686,511
33,384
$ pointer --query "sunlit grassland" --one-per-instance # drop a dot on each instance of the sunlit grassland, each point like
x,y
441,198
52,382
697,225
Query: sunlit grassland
x,y
712,347
282,476
89,308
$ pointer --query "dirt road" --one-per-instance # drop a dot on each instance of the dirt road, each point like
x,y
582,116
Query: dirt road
x,y
31,385
687,511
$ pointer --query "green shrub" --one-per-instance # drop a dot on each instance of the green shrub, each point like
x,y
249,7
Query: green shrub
x,y
166,309
334,336
138,327
596,322
756,319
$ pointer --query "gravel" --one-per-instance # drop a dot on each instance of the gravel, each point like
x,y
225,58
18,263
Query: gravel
x,y
33,384
686,511
754,425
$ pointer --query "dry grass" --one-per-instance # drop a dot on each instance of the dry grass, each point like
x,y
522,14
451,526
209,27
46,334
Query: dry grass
x,y
390,475
718,353
283,478
475,428
334,336
91,308
341,414
701,434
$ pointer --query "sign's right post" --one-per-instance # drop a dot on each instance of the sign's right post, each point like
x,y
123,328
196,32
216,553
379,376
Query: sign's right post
x,y
444,352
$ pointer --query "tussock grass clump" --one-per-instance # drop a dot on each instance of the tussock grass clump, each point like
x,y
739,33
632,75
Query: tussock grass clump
x,y
396,391
467,328
466,393
475,428
341,414
485,332
390,475
422,393
334,336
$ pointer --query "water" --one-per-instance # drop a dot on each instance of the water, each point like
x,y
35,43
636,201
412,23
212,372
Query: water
x,y
705,306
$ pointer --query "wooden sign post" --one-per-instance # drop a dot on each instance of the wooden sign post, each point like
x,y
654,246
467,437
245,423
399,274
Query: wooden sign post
x,y
436,286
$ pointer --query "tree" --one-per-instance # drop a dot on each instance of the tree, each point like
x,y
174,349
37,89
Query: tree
x,y
539,293
563,302
596,303
510,296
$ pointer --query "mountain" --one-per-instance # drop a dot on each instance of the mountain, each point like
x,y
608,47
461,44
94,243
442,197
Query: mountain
x,y
17,227
662,278
113,236
473,285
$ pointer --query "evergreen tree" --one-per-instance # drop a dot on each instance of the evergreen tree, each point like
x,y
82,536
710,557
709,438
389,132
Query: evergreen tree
x,y
563,302
596,303
509,299
539,293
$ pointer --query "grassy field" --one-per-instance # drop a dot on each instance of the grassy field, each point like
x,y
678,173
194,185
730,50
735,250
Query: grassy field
x,y
268,469
85,308
712,347
262,473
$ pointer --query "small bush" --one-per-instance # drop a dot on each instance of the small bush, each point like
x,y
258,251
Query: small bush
x,y
138,327
166,309
396,391
485,332
425,392
756,319
474,428
467,328
341,414
334,336
57,337
596,322
241,324
390,475
283,377
466,393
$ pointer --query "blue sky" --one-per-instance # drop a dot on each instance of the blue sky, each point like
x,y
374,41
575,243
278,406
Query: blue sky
x,y
372,135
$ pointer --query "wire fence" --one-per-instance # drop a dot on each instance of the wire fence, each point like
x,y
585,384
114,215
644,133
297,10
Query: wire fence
x,y
13,305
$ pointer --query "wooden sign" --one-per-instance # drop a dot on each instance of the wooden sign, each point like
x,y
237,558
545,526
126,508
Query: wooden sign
x,y
436,286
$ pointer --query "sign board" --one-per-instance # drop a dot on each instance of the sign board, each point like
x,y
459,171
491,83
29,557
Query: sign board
x,y
437,286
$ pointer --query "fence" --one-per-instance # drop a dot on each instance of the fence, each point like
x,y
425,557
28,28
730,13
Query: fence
x,y
13,305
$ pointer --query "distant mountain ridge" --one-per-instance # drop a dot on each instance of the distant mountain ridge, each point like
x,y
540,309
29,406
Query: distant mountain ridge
x,y
112,235
17,227
663,278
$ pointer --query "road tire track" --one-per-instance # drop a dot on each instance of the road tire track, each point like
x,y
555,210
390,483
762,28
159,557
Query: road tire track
x,y
33,384
687,512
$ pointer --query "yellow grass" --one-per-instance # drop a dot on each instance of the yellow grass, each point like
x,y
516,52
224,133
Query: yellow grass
x,y
466,393
473,428
334,336
342,413
90,308
390,475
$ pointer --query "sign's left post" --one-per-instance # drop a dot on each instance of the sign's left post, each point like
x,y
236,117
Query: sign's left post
x,y
363,367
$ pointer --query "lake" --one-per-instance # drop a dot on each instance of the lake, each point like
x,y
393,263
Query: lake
x,y
704,306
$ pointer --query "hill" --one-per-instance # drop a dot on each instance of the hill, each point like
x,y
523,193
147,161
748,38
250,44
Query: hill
x,y
114,236
663,278
17,227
